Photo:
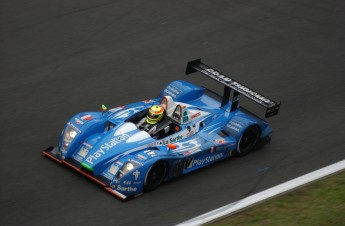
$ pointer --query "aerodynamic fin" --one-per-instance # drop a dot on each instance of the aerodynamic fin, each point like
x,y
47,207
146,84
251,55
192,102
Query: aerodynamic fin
x,y
271,106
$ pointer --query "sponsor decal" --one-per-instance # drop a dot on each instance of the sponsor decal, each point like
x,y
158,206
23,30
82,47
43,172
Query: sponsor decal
x,y
141,157
196,115
74,127
153,144
87,145
78,121
148,101
220,141
236,124
175,139
218,75
237,86
166,141
188,163
251,92
172,91
137,182
234,128
206,160
105,147
187,153
113,169
203,161
167,91
126,189
83,152
85,117
136,174
150,153
231,144
119,163
116,109
213,149
135,161
126,182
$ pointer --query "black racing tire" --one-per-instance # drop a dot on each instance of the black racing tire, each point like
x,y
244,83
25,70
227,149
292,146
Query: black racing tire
x,y
248,140
155,176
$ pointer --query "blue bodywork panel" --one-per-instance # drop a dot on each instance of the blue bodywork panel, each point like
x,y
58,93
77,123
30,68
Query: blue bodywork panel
x,y
101,144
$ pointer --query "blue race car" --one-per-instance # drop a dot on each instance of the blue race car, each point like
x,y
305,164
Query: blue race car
x,y
134,148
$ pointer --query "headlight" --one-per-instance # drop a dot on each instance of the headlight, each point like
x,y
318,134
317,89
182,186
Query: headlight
x,y
129,166
68,136
72,134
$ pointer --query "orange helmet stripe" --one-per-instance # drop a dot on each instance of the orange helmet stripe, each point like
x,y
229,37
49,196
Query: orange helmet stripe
x,y
156,109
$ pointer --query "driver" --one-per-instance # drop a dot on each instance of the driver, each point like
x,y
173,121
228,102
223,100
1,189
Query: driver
x,y
154,116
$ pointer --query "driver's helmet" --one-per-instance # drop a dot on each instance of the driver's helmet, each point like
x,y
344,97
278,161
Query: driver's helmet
x,y
155,114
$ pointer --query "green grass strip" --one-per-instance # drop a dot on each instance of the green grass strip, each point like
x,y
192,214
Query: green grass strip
x,y
319,203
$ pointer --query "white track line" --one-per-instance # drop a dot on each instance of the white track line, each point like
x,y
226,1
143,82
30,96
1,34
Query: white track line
x,y
266,194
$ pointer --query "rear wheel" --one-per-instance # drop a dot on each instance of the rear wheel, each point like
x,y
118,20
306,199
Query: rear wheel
x,y
248,140
155,176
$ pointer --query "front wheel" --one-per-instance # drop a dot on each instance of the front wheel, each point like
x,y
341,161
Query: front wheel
x,y
155,176
248,140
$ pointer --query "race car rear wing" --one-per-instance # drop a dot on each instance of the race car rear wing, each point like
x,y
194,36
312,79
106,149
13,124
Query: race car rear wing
x,y
271,106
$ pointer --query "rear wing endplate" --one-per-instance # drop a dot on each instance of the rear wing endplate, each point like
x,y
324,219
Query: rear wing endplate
x,y
271,106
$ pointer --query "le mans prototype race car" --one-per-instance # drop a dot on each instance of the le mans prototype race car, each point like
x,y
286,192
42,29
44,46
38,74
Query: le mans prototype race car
x,y
197,130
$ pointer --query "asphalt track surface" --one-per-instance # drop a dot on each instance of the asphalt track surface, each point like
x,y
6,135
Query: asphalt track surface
x,y
62,57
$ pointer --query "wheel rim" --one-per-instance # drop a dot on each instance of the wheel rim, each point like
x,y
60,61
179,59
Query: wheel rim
x,y
248,139
156,175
